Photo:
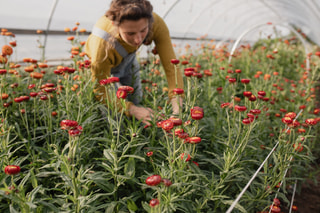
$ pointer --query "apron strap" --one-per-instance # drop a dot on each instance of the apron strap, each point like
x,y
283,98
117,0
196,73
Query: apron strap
x,y
106,36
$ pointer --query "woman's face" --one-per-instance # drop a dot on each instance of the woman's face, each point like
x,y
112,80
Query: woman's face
x,y
134,32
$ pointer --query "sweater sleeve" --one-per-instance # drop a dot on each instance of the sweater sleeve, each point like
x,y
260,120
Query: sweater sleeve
x,y
162,40
101,63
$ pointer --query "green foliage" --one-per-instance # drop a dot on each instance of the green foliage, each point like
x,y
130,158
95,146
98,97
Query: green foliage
x,y
104,167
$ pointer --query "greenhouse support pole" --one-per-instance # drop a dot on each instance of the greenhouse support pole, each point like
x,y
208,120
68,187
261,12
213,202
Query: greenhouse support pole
x,y
48,27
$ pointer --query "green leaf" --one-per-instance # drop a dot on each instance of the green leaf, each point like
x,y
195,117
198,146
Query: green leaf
x,y
131,205
129,168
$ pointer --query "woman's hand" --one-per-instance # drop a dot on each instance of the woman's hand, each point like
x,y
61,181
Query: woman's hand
x,y
176,103
141,113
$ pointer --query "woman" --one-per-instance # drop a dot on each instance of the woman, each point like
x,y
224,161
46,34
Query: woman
x,y
112,45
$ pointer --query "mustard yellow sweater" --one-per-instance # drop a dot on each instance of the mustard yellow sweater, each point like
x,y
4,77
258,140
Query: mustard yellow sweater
x,y
104,58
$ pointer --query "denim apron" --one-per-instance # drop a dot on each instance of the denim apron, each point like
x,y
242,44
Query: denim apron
x,y
128,71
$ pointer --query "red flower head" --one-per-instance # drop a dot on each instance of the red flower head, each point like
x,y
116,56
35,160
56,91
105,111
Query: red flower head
x,y
128,89
12,169
311,121
246,121
104,82
176,121
287,120
68,124
122,94
166,182
149,154
178,91
275,209
194,140
276,202
197,113
247,94
114,79
223,105
175,61
291,115
189,71
167,125
262,93
245,81
240,108
75,131
232,80
252,98
154,202
187,158
153,180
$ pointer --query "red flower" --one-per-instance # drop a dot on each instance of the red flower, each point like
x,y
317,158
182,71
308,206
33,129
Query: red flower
x,y
104,82
247,93
245,81
176,121
68,124
184,62
166,182
178,91
58,72
311,121
149,154
207,73
186,158
194,140
126,88
178,131
223,105
154,202
262,93
18,99
287,120
291,115
167,125
183,135
252,98
175,61
275,209
299,148
276,202
197,113
246,121
232,80
33,94
3,71
122,94
75,131
295,208
12,169
188,71
240,108
153,180
113,79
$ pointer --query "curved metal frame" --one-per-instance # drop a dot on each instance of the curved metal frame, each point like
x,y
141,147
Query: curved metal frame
x,y
303,41
170,8
48,26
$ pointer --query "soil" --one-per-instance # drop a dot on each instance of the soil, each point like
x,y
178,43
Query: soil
x,y
307,199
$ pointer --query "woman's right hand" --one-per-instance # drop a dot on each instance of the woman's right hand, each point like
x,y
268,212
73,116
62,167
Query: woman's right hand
x,y
141,113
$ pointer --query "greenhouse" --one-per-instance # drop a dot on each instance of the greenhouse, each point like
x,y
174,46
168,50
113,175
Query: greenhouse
x,y
160,106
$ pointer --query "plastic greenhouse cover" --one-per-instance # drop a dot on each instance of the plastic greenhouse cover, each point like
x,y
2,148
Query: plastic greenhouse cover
x,y
212,19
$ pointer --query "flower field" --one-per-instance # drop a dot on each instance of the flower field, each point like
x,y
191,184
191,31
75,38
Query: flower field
x,y
248,126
